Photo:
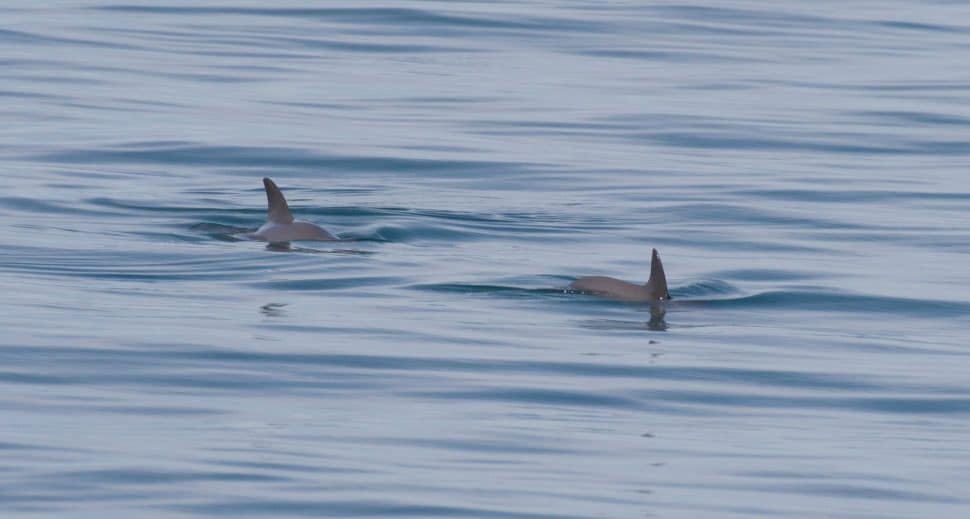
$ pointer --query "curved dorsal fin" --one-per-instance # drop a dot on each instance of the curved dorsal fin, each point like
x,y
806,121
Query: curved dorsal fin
x,y
279,211
657,285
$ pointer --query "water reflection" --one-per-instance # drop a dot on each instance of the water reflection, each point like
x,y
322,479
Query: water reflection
x,y
272,309
657,312
656,323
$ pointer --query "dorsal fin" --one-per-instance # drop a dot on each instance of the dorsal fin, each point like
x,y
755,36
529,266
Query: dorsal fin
x,y
279,211
657,286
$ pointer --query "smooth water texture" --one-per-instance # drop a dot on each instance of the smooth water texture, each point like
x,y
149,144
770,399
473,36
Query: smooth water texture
x,y
801,166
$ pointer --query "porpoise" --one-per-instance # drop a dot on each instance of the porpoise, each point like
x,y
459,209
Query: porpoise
x,y
654,291
280,226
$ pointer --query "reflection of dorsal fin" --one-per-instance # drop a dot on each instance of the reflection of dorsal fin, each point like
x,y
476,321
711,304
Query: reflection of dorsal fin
x,y
279,212
657,286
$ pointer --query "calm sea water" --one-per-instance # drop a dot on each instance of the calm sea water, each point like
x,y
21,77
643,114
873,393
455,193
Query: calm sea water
x,y
801,166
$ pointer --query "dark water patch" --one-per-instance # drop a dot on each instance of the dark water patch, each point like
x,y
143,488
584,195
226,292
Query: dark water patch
x,y
39,448
63,495
764,275
65,405
490,219
170,237
785,24
277,157
301,468
231,215
29,38
141,476
780,474
381,233
18,94
14,377
708,288
922,27
397,18
845,303
336,508
217,381
33,205
62,79
209,77
312,106
489,289
366,47
236,369
851,195
537,397
585,128
222,232
440,101
223,383
896,87
250,69
867,492
543,398
250,55
740,16
907,118
490,446
333,283
906,405
667,56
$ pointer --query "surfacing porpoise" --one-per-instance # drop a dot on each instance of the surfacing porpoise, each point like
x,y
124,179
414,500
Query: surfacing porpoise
x,y
280,227
654,291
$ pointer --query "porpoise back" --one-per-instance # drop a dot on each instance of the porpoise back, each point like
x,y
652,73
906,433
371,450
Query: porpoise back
x,y
655,290
280,227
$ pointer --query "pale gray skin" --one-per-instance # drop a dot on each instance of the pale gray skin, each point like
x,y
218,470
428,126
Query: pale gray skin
x,y
654,291
280,227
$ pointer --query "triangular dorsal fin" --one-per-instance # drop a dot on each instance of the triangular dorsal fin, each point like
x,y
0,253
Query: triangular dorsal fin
x,y
279,211
657,286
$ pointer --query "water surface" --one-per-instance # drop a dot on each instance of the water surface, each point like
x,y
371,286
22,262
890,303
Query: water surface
x,y
801,167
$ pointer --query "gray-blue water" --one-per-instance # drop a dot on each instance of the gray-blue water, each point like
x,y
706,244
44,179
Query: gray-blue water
x,y
801,166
